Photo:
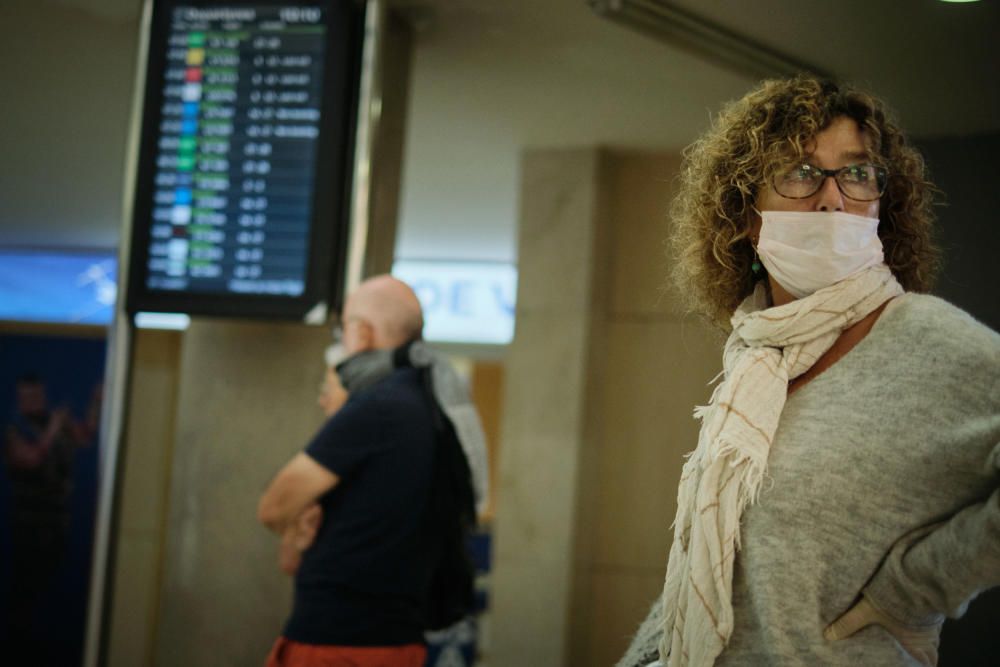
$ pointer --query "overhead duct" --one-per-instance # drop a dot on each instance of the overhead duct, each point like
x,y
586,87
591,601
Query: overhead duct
x,y
693,33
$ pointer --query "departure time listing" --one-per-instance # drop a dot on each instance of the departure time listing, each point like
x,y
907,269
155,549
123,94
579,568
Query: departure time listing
x,y
237,148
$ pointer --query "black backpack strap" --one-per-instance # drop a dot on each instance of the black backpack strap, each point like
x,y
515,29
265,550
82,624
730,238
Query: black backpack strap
x,y
450,518
401,355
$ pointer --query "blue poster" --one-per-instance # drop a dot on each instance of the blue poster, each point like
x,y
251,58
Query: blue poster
x,y
50,393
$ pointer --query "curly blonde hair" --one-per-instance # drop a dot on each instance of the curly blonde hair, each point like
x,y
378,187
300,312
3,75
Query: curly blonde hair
x,y
723,172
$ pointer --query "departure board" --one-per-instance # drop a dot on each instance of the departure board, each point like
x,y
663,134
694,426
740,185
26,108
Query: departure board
x,y
237,135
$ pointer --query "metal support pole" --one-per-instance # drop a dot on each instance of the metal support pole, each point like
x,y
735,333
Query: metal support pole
x,y
116,375
369,114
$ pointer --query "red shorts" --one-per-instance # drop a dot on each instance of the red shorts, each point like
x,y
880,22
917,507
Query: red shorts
x,y
286,653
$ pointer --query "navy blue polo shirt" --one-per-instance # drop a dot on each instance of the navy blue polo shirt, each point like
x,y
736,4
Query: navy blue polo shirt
x,y
364,580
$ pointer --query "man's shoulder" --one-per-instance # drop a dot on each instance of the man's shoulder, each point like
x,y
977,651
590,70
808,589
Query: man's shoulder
x,y
401,392
392,409
400,385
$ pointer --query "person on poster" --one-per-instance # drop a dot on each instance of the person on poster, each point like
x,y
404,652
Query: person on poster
x,y
39,448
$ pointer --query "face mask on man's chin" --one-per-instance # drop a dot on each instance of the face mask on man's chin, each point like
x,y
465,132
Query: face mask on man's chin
x,y
334,354
805,251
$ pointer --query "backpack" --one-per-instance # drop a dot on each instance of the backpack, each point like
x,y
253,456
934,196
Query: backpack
x,y
449,520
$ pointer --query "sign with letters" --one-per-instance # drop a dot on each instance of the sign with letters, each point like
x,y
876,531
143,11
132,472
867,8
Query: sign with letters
x,y
463,302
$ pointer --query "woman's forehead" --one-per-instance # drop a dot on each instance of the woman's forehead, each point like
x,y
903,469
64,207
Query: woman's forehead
x,y
841,142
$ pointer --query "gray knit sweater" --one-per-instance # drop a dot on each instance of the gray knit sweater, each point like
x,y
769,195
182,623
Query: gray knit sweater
x,y
884,479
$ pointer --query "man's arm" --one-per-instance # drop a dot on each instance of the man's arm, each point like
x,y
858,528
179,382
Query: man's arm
x,y
296,486
83,432
26,454
20,453
298,537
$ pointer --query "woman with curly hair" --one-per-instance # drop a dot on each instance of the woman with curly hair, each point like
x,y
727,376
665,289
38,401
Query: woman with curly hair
x,y
843,496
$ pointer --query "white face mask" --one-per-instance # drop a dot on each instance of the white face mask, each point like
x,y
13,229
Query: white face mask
x,y
334,354
808,250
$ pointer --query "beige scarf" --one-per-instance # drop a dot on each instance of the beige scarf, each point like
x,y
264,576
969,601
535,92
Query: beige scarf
x,y
768,348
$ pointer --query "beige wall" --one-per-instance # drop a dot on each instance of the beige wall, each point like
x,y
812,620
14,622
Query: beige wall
x,y
67,81
213,413
601,380
146,461
659,365
246,404
561,265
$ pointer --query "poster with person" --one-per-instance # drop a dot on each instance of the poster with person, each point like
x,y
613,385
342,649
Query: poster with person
x,y
50,397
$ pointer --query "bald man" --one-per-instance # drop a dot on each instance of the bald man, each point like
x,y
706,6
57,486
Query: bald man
x,y
350,507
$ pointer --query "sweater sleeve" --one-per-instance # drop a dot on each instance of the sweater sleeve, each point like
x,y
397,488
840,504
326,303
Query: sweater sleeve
x,y
937,570
644,648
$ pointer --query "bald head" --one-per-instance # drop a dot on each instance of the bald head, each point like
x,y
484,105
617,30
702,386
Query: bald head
x,y
382,313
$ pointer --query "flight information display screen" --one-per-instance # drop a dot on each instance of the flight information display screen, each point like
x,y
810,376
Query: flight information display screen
x,y
247,119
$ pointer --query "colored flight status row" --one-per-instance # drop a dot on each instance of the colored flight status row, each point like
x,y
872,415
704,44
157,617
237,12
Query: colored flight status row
x,y
236,152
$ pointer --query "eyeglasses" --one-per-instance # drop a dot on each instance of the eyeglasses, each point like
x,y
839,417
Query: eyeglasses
x,y
860,182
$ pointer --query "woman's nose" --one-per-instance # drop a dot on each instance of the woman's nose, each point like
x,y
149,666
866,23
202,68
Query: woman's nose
x,y
829,197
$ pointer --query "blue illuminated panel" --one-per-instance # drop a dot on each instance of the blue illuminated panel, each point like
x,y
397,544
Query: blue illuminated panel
x,y
62,288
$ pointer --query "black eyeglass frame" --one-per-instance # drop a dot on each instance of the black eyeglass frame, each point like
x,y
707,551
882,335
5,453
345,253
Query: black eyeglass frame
x,y
881,179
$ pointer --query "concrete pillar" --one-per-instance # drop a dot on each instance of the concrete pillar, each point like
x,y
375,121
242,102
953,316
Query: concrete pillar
x,y
138,553
246,404
546,465
600,382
